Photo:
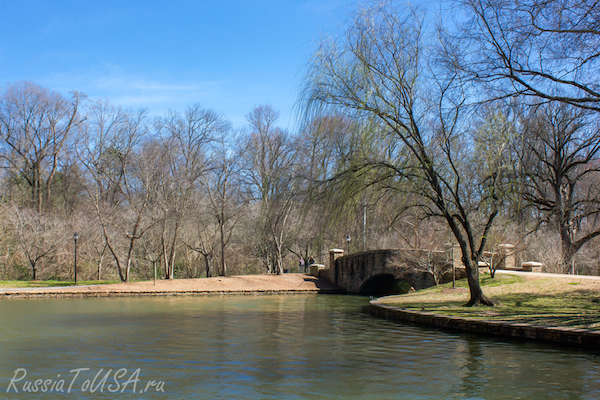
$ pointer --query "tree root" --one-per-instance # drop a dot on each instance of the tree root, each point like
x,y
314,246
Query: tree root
x,y
482,301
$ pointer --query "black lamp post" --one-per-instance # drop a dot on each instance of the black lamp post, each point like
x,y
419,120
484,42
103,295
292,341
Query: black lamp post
x,y
348,241
75,238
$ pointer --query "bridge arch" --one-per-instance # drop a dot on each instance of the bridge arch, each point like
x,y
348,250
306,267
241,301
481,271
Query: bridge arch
x,y
366,272
384,284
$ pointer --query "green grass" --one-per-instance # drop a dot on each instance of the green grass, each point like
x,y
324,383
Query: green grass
x,y
543,301
50,283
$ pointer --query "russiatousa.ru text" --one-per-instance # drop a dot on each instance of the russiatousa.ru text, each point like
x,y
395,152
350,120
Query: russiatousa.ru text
x,y
85,380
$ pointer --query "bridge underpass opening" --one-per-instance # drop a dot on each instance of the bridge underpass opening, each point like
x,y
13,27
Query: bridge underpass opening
x,y
384,284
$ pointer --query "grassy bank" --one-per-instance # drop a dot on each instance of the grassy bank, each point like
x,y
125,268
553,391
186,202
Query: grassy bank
x,y
26,284
566,302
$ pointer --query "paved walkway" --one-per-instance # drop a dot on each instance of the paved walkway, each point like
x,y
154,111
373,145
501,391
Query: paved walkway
x,y
545,275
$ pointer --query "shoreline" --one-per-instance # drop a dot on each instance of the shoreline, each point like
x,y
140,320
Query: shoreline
x,y
265,284
287,284
582,337
585,338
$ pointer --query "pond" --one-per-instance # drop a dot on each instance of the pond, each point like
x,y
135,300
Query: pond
x,y
266,347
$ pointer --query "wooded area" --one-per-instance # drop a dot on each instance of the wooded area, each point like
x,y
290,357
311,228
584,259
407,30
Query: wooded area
x,y
413,135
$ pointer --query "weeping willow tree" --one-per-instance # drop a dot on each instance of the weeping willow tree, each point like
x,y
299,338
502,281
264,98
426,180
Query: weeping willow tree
x,y
416,135
342,196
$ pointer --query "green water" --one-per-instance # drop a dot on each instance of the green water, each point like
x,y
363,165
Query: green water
x,y
266,347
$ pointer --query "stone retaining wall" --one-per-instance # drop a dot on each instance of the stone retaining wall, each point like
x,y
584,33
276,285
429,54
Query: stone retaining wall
x,y
571,336
91,294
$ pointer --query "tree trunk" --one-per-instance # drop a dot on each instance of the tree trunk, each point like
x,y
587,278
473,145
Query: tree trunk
x,y
37,187
279,264
112,251
168,272
566,259
170,260
207,265
128,269
477,296
223,263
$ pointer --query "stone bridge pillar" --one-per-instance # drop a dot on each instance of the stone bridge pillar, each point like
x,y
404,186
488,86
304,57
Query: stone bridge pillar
x,y
334,254
507,253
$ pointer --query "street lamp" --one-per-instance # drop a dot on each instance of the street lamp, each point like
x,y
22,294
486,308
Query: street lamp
x,y
348,241
75,238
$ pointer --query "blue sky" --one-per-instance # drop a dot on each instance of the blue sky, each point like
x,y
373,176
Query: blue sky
x,y
160,55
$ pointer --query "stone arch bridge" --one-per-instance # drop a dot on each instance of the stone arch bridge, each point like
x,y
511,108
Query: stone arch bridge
x,y
381,272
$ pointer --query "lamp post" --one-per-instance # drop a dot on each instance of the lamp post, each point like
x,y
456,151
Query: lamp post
x,y
451,246
348,242
75,238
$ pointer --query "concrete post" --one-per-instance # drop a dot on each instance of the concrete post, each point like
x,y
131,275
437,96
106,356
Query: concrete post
x,y
507,252
457,257
334,254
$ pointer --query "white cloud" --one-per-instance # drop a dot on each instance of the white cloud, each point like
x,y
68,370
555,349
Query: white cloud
x,y
231,98
130,90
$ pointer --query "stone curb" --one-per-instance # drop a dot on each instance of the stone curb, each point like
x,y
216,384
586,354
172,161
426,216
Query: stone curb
x,y
571,336
132,293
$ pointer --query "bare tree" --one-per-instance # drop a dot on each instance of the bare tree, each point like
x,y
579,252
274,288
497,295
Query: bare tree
x,y
185,163
223,189
436,263
560,159
379,72
268,174
152,249
167,206
427,245
94,244
120,182
201,235
39,236
547,49
35,125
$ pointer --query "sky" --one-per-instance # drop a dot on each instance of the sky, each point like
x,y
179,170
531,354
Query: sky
x,y
227,55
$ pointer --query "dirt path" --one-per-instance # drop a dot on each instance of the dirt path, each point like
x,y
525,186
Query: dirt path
x,y
287,283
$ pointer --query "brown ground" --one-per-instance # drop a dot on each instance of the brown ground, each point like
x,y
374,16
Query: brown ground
x,y
295,283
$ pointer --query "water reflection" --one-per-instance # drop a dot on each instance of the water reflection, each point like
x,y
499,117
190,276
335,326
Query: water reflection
x,y
278,347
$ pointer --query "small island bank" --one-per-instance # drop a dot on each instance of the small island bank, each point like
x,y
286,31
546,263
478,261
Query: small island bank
x,y
548,307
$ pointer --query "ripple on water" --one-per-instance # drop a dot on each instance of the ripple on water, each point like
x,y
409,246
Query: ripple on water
x,y
281,347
